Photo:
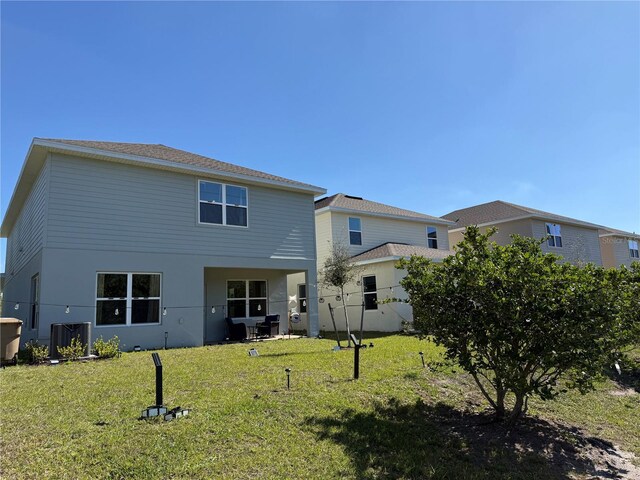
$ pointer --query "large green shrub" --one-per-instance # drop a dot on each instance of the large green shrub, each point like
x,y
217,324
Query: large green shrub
x,y
518,320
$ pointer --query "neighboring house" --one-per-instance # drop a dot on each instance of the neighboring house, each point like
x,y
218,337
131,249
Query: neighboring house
x,y
575,240
618,247
148,242
377,236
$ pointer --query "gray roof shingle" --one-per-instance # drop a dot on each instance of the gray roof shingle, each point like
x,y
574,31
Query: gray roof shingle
x,y
162,152
499,210
348,202
401,250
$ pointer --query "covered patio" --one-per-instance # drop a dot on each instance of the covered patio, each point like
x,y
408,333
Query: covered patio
x,y
248,297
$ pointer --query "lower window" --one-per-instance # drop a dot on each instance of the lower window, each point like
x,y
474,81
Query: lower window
x,y
370,292
246,298
128,299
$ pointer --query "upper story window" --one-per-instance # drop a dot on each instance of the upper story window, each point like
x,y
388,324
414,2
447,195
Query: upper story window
x,y
355,231
633,249
432,237
128,299
370,292
222,204
555,235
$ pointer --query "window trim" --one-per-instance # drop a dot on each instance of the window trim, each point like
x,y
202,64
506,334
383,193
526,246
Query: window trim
x,y
364,294
355,231
247,298
224,204
429,239
552,236
129,300
631,243
301,299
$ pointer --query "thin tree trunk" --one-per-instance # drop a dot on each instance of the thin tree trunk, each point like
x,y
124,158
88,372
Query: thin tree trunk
x,y
500,396
335,328
484,392
361,322
517,411
346,317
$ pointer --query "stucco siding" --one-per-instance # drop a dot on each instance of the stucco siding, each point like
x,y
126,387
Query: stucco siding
x,y
111,206
579,244
384,319
28,233
69,278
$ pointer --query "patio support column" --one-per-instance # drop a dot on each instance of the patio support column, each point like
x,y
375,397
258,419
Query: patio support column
x,y
312,302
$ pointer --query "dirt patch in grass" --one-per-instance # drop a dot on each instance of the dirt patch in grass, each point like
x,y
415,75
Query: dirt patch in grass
x,y
438,441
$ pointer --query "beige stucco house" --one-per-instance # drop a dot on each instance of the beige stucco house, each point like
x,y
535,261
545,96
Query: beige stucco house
x,y
377,236
618,247
575,240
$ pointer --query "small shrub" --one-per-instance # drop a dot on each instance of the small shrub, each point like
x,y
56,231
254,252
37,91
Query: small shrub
x,y
108,349
36,353
73,351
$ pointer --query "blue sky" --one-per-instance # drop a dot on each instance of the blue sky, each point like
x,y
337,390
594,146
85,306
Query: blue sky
x,y
425,106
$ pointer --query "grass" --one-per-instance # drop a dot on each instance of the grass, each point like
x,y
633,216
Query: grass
x,y
399,420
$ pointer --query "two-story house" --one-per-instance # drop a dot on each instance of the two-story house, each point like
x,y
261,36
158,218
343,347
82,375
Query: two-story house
x,y
575,240
618,247
377,236
149,243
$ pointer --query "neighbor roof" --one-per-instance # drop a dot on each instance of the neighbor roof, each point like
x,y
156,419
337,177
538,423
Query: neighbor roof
x,y
396,251
488,213
613,232
142,154
349,203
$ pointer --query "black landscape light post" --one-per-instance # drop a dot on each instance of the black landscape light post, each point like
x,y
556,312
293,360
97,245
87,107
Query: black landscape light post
x,y
158,364
422,357
356,357
288,372
166,336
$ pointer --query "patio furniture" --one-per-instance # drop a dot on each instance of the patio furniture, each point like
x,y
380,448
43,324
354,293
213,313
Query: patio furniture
x,y
237,331
269,327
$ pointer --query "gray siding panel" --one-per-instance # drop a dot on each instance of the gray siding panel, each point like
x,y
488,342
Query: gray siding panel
x,y
101,205
579,245
27,236
376,231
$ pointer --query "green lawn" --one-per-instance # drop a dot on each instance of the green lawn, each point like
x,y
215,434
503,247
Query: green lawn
x,y
399,420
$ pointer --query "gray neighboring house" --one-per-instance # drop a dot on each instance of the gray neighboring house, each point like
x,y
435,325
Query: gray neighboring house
x,y
144,240
377,236
618,247
575,240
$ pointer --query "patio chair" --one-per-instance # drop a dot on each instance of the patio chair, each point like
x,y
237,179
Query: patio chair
x,y
236,331
269,327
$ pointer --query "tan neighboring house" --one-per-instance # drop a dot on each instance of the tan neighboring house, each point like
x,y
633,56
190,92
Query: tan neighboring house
x,y
618,247
377,236
575,240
